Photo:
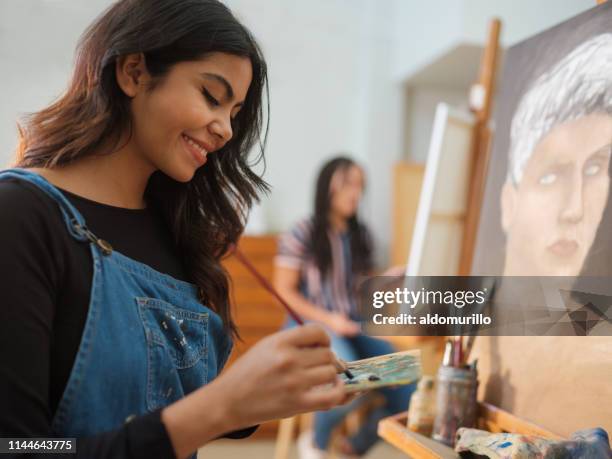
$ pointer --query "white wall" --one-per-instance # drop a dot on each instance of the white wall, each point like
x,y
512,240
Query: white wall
x,y
318,54
427,29
520,18
37,40
422,103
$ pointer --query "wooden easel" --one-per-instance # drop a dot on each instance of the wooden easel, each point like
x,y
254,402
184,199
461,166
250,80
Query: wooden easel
x,y
481,100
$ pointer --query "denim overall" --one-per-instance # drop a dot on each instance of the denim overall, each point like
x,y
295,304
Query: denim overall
x,y
147,340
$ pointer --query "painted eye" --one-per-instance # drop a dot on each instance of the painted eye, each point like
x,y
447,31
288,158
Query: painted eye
x,y
547,179
592,169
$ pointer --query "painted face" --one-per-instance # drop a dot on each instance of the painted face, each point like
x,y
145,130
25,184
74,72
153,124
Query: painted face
x,y
551,216
346,190
189,115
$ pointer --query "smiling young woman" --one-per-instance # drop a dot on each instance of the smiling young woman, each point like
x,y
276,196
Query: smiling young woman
x,y
128,190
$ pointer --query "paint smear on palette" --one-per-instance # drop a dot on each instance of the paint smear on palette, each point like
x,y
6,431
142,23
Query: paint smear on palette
x,y
397,369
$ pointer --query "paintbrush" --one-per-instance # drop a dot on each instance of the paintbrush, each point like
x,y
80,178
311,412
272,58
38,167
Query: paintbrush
x,y
458,354
468,348
489,286
339,364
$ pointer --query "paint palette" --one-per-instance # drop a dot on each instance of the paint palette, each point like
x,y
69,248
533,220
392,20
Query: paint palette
x,y
397,369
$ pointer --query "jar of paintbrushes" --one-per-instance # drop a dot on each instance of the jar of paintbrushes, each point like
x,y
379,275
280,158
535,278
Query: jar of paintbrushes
x,y
457,384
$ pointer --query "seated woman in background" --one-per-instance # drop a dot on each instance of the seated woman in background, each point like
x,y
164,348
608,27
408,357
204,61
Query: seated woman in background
x,y
317,269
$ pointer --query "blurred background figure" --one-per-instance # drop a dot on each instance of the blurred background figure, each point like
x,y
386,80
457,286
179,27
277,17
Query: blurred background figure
x,y
317,270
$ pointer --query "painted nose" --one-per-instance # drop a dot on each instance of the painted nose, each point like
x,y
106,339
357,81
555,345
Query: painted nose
x,y
573,209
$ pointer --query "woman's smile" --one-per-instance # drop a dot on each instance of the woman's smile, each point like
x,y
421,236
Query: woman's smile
x,y
195,149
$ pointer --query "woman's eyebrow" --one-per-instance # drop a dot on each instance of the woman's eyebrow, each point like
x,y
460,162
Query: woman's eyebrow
x,y
228,87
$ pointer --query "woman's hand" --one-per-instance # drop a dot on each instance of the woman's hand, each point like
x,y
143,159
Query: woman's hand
x,y
342,325
284,374
278,377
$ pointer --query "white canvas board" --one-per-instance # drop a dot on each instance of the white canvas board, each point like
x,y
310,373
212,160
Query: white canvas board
x,y
438,231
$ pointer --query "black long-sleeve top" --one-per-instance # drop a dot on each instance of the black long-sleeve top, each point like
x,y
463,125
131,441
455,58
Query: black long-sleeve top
x,y
45,283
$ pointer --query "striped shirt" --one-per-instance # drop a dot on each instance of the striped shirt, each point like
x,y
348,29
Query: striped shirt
x,y
336,291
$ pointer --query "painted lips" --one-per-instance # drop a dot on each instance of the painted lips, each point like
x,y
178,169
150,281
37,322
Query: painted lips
x,y
564,247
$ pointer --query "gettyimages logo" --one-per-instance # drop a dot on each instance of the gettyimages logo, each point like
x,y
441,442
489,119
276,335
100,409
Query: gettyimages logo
x,y
411,298
503,306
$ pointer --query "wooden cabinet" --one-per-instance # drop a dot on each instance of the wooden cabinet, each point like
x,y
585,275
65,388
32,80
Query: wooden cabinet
x,y
407,181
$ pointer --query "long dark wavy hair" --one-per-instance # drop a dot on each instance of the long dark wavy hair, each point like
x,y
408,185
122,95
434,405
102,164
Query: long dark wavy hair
x,y
360,242
207,214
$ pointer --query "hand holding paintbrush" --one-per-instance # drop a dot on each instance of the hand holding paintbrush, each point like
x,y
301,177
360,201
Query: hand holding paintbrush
x,y
340,365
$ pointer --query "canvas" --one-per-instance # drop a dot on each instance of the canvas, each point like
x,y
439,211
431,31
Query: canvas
x,y
438,229
548,180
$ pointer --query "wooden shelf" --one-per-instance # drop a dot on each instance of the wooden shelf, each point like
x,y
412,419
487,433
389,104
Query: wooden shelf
x,y
394,431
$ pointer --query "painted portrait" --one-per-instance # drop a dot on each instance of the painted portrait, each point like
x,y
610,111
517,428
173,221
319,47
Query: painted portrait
x,y
548,181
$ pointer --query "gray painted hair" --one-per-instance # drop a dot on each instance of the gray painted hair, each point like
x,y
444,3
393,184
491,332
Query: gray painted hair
x,y
579,85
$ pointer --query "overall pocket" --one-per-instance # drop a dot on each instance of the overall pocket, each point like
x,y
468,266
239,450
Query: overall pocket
x,y
177,350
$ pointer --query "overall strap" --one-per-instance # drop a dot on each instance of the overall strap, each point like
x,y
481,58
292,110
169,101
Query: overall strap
x,y
72,217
